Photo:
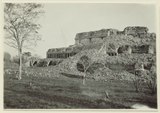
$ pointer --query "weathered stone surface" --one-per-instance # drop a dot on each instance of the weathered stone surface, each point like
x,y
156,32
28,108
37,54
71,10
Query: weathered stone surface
x,y
132,35
92,37
97,45
124,49
136,31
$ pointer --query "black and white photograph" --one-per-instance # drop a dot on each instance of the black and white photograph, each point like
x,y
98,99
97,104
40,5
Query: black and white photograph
x,y
79,56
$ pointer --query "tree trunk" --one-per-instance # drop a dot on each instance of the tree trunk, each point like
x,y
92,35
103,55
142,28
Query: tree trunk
x,y
20,64
84,78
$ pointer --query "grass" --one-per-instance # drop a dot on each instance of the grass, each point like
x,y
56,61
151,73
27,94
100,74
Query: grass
x,y
68,92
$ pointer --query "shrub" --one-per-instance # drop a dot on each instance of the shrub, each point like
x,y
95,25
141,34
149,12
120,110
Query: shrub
x,y
7,57
17,60
84,63
137,82
152,80
139,79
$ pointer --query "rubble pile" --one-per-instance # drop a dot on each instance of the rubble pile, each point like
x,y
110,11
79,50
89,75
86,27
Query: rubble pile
x,y
42,72
70,64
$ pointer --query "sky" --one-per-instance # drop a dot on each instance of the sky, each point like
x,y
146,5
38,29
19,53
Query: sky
x,y
61,22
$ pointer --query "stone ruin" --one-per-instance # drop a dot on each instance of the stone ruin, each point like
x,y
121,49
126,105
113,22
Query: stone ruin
x,y
99,37
95,37
60,53
92,37
63,52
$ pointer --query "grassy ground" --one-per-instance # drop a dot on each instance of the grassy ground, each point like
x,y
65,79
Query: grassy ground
x,y
67,92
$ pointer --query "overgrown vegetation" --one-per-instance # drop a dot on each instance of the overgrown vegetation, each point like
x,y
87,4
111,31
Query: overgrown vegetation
x,y
58,91
152,80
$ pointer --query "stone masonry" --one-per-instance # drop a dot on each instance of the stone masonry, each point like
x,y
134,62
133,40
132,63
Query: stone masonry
x,y
95,37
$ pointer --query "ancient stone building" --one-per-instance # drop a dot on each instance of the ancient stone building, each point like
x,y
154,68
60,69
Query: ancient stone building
x,y
136,31
92,37
136,49
140,49
124,49
86,39
61,52
111,49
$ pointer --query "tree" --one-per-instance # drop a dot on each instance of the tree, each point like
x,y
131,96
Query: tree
x,y
84,63
25,58
88,65
21,27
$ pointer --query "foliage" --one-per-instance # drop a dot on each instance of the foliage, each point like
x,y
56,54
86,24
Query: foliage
x,y
95,66
26,56
80,67
84,62
21,27
20,24
152,80
7,57
137,82
148,77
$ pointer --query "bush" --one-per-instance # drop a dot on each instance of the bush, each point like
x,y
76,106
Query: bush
x,y
7,57
152,80
139,79
137,82
80,67
17,60
94,67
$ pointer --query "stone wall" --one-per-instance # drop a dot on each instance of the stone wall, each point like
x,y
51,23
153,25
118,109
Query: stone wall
x,y
136,31
140,49
62,52
86,38
136,49
60,55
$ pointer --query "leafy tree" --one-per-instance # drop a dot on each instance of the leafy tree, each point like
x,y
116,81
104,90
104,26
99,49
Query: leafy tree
x,y
86,65
85,62
21,27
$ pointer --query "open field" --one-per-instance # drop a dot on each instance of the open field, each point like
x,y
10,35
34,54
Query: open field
x,y
67,92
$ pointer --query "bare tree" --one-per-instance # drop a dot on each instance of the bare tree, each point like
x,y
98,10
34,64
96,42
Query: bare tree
x,y
21,27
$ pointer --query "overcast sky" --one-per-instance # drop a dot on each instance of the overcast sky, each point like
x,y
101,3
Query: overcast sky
x,y
61,22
